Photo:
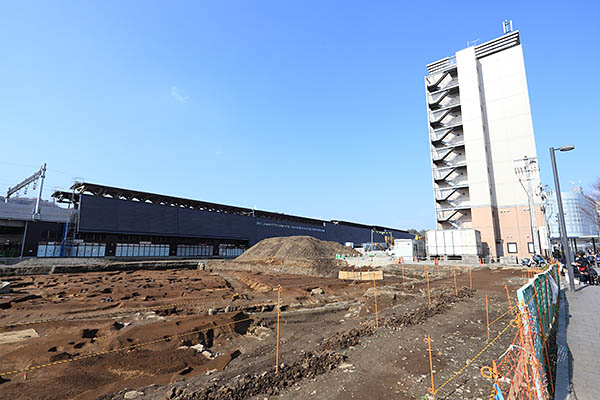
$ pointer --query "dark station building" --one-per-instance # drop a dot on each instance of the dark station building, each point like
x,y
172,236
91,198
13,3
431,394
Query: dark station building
x,y
109,221
21,230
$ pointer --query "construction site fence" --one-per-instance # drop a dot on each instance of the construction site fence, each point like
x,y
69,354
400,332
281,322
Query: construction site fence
x,y
59,249
539,297
524,370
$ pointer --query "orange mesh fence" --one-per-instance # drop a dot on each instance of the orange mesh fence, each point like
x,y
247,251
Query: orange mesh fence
x,y
524,369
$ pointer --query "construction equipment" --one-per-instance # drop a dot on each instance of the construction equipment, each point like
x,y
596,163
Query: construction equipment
x,y
389,240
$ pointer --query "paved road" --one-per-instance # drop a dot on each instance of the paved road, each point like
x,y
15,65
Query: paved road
x,y
583,339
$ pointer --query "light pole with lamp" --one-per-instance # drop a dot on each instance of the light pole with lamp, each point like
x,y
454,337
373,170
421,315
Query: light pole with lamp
x,y
561,216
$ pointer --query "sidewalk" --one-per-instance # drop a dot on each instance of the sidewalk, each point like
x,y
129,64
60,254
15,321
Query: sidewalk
x,y
583,340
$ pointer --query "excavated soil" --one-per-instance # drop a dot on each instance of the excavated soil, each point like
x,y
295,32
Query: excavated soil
x,y
316,256
76,315
330,344
441,302
270,382
295,247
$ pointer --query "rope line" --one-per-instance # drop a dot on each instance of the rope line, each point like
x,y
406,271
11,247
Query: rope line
x,y
504,314
472,359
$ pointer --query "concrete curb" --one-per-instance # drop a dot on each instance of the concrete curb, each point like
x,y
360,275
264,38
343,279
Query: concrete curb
x,y
563,362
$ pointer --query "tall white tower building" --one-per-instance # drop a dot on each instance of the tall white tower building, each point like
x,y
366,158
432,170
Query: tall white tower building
x,y
481,138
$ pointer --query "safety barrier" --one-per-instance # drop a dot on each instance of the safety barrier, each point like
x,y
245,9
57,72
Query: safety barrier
x,y
539,314
360,275
58,249
524,369
521,372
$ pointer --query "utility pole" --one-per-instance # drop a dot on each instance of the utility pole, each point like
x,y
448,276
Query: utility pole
x,y
526,169
546,195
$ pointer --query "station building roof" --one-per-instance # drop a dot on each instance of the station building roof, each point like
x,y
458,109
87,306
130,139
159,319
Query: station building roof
x,y
86,188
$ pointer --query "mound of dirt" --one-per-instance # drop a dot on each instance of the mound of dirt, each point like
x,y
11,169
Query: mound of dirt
x,y
298,247
297,254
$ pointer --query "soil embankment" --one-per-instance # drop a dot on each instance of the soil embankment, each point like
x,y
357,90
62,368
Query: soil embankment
x,y
303,255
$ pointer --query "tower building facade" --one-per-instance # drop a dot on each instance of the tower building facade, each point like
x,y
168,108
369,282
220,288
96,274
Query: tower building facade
x,y
483,155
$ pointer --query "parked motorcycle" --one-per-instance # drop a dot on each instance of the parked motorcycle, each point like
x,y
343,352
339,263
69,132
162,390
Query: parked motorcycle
x,y
534,262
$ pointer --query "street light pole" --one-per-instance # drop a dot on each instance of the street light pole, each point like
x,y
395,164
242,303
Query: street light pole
x,y
561,217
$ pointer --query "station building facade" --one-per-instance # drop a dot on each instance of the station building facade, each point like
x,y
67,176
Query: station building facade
x,y
21,230
108,221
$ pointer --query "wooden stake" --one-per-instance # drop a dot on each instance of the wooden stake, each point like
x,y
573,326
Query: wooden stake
x,y
375,297
508,297
427,278
487,317
403,284
495,371
470,278
278,313
455,287
428,341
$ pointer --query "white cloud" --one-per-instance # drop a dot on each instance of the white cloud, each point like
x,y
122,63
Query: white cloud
x,y
178,96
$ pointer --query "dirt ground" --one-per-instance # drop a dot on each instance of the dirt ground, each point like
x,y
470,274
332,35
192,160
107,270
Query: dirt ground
x,y
191,334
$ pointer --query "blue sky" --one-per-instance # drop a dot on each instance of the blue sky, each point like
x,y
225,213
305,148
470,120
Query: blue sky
x,y
313,108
